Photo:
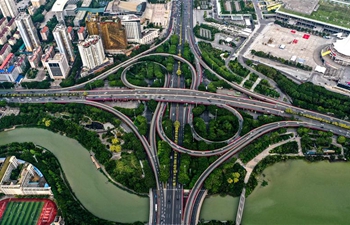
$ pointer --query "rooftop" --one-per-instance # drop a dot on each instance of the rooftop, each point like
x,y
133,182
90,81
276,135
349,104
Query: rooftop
x,y
302,6
4,166
81,29
44,29
343,46
59,5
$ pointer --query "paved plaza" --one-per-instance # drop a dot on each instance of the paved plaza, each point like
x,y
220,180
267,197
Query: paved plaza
x,y
286,43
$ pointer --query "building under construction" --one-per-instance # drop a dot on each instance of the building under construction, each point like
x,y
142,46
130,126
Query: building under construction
x,y
111,31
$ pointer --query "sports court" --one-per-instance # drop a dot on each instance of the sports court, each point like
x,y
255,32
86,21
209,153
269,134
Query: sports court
x,y
27,211
289,44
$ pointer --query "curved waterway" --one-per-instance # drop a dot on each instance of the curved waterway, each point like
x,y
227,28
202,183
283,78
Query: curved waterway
x,y
219,208
299,192
90,186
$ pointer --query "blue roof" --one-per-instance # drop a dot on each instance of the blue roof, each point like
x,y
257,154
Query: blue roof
x,y
19,78
10,69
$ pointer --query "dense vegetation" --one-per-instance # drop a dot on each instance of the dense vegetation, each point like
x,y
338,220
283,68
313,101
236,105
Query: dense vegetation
x,y
308,95
66,119
287,148
146,74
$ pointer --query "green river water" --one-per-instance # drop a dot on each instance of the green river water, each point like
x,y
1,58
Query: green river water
x,y
299,192
90,186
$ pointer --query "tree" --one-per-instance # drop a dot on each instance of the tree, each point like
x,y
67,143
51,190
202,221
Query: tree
x,y
341,140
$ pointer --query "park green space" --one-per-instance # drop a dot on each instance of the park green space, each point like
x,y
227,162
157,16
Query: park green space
x,y
90,186
22,213
299,192
220,208
328,12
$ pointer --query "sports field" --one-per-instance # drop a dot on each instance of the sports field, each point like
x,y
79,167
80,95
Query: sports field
x,y
27,211
22,213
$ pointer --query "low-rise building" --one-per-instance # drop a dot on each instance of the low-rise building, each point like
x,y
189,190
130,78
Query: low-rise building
x,y
38,3
79,18
58,67
3,36
70,32
30,181
20,63
17,35
44,33
49,53
3,23
12,41
11,24
149,35
35,58
8,61
31,10
81,33
10,74
5,50
70,10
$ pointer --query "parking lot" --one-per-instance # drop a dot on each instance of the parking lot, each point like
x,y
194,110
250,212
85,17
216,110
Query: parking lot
x,y
286,43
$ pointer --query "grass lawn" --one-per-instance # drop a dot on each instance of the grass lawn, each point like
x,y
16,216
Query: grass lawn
x,y
22,213
328,12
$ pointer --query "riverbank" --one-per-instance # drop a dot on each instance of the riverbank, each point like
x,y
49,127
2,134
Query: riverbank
x,y
91,187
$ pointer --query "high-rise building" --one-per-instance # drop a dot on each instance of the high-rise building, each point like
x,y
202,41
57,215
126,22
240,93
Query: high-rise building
x,y
8,8
91,52
64,44
110,29
27,30
132,28
57,66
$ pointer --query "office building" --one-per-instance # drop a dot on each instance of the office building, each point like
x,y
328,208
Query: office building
x,y
8,8
132,27
28,31
29,182
111,31
57,66
63,42
91,52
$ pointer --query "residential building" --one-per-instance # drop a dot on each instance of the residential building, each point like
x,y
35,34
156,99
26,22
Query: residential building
x,y
28,31
12,41
110,29
81,33
3,35
63,42
57,66
132,27
11,24
20,63
17,35
44,33
49,53
5,50
8,60
3,23
91,52
8,8
70,32
30,181
34,59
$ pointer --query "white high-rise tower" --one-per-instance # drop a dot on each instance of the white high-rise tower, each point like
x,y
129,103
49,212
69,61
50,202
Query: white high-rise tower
x,y
91,52
64,44
8,8
27,30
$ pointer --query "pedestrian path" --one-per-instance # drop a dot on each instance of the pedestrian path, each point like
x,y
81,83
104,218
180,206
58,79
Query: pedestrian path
x,y
244,80
255,84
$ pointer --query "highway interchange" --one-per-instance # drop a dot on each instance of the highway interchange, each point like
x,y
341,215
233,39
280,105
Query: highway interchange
x,y
168,205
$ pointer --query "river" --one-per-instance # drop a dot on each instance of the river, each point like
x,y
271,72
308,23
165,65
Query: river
x,y
299,192
219,208
90,186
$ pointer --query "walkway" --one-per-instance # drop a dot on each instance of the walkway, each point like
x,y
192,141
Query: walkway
x,y
243,81
240,207
256,83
